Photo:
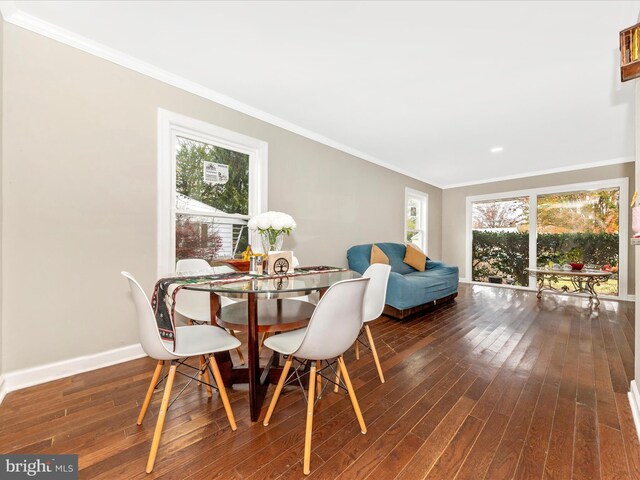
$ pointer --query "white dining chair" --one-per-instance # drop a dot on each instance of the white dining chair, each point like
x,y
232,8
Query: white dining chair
x,y
195,306
374,301
190,341
333,327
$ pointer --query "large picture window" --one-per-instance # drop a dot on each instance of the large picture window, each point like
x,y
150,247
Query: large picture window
x,y
211,181
547,227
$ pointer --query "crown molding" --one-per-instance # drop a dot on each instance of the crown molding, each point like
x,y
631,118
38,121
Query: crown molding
x,y
12,14
17,17
568,168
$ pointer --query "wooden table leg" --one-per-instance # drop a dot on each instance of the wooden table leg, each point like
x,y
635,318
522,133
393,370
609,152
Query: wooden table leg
x,y
257,390
214,307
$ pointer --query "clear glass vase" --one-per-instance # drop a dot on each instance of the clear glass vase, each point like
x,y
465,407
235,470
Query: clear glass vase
x,y
272,240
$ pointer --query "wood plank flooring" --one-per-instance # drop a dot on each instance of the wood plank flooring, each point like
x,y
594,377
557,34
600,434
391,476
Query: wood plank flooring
x,y
496,385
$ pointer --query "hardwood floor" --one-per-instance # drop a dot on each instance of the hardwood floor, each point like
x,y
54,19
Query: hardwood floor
x,y
496,385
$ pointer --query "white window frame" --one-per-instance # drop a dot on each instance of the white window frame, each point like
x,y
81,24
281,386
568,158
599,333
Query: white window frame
x,y
172,125
621,183
424,199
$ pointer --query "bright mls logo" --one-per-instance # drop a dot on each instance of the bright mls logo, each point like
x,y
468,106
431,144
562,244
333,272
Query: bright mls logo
x,y
52,467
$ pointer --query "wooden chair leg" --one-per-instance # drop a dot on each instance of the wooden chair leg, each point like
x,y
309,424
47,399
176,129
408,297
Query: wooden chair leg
x,y
357,350
152,386
238,349
375,353
203,363
163,412
240,355
276,394
318,378
264,337
352,395
223,392
337,385
311,400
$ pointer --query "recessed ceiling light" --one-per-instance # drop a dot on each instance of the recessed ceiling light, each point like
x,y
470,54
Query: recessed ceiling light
x,y
496,149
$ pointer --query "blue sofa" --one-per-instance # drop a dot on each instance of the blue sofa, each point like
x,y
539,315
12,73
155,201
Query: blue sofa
x,y
409,291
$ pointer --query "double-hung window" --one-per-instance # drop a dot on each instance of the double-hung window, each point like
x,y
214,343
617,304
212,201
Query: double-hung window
x,y
416,206
211,181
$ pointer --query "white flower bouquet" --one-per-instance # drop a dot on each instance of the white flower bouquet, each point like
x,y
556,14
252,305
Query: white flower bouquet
x,y
272,226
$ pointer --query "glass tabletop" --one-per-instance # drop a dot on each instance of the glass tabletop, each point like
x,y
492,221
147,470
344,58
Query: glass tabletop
x,y
279,286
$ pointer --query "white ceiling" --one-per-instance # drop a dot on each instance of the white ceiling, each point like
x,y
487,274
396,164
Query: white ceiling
x,y
427,88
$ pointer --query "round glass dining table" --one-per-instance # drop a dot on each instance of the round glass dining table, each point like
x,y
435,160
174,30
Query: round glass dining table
x,y
254,290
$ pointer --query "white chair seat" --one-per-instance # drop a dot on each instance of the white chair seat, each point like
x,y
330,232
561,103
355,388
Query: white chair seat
x,y
287,342
197,340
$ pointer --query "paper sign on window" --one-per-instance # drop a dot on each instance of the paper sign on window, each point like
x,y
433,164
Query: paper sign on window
x,y
216,173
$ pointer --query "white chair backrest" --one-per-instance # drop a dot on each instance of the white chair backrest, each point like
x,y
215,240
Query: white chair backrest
x,y
336,321
376,295
150,338
192,265
199,265
194,305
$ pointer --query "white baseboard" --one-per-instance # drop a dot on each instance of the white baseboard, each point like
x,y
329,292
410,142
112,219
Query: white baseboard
x,y
28,377
634,401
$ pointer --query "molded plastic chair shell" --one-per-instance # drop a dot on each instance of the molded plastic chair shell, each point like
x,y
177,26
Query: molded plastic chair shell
x,y
190,341
376,295
333,327
193,265
150,338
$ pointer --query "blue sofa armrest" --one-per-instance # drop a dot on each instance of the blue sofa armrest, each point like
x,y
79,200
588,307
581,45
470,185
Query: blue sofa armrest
x,y
359,257
397,289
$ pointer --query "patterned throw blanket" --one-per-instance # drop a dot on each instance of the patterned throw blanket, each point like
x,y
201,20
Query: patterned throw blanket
x,y
163,300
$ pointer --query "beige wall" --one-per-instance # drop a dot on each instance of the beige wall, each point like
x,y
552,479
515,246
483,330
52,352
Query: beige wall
x,y
80,196
454,207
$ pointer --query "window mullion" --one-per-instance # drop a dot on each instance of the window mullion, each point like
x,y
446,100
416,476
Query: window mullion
x,y
533,235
